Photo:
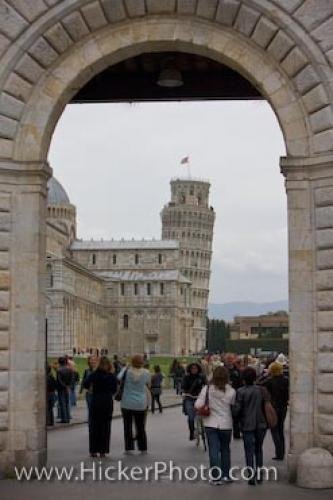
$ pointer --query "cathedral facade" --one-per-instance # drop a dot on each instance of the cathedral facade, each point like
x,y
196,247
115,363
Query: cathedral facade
x,y
130,296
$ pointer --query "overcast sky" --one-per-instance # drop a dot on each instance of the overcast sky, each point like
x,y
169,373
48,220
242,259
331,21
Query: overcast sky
x,y
116,160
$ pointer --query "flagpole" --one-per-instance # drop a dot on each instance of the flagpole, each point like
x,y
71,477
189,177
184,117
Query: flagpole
x,y
186,161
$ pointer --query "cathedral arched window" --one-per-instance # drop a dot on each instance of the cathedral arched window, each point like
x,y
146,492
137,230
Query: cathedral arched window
x,y
148,288
93,258
122,288
125,321
114,259
160,258
136,258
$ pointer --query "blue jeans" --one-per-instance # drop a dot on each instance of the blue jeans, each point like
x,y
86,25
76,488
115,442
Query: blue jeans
x,y
253,442
63,401
219,450
189,410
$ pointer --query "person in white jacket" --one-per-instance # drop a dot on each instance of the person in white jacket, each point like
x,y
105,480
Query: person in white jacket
x,y
218,425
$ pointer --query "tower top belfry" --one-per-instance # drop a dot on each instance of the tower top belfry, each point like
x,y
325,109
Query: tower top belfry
x,y
190,191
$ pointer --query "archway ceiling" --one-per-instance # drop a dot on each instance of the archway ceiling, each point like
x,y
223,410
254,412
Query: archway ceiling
x,y
135,79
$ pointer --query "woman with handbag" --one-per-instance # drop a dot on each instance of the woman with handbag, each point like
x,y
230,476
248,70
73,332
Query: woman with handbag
x,y
134,382
214,405
278,387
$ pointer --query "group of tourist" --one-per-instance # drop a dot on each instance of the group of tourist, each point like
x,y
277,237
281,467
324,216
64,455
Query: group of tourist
x,y
103,381
61,389
237,390
242,398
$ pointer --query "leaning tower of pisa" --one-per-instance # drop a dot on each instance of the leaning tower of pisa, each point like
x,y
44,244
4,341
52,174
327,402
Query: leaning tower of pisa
x,y
189,218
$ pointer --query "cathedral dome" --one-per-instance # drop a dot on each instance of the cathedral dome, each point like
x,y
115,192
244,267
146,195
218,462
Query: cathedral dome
x,y
56,194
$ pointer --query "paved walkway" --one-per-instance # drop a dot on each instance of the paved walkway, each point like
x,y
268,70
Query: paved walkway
x,y
167,438
79,413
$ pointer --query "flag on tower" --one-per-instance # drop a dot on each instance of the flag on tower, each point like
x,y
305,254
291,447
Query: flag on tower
x,y
185,160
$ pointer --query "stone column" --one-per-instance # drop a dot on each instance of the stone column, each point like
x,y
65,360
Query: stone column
x,y
22,314
309,185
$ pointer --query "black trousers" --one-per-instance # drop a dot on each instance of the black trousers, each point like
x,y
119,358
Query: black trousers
x,y
50,404
155,398
278,434
139,417
100,417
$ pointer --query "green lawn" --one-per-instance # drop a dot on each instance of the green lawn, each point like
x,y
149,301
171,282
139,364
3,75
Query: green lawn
x,y
163,361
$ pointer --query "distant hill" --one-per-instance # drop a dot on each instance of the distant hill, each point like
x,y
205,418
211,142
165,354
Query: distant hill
x,y
229,310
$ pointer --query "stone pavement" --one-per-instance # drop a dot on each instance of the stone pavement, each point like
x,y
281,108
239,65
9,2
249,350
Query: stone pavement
x,y
168,398
167,440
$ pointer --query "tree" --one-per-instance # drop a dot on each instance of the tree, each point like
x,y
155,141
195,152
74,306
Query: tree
x,y
218,331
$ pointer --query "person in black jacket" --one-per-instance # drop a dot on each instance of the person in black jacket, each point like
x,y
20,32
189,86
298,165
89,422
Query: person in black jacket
x,y
249,408
193,382
277,385
104,385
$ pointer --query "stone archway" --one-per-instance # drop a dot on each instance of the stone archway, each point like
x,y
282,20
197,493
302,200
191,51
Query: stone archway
x,y
51,52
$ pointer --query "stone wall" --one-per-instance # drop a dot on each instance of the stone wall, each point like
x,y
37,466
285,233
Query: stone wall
x,y
154,322
22,354
5,218
150,330
76,309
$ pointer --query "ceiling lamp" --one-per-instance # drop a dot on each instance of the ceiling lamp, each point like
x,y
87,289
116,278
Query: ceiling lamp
x,y
170,76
